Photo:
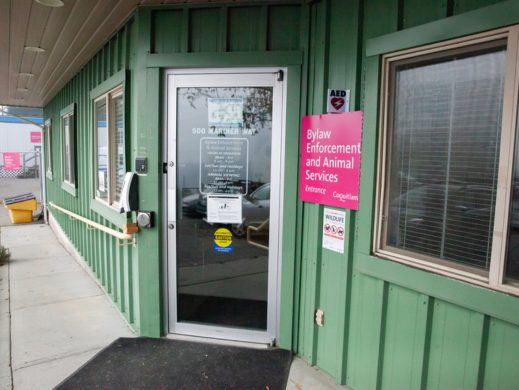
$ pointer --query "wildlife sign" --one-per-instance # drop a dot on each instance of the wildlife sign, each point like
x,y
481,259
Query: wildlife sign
x,y
333,230
338,100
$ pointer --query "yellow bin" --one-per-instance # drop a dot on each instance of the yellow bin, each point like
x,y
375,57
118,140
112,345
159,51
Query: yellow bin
x,y
21,207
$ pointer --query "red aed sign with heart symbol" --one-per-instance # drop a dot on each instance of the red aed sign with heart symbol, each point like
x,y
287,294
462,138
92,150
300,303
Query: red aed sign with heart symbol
x,y
338,100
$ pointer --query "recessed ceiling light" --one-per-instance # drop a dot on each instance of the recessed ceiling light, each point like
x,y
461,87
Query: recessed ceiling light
x,y
26,74
51,3
22,89
36,49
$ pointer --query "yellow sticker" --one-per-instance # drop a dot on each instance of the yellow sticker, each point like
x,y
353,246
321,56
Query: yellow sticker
x,y
223,241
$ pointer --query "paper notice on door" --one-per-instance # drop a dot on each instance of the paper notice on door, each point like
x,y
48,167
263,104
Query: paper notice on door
x,y
224,208
225,112
333,230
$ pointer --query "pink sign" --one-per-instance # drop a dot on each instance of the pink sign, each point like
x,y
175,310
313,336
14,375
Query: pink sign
x,y
11,161
35,137
330,159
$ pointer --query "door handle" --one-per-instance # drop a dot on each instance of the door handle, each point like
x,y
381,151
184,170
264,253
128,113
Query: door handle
x,y
171,226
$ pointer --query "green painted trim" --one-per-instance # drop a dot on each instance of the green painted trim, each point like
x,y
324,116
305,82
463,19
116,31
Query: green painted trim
x,y
108,212
204,60
69,108
49,175
69,188
483,19
482,300
369,155
289,282
109,84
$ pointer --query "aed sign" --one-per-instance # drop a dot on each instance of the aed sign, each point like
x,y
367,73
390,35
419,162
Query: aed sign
x,y
330,159
338,100
223,241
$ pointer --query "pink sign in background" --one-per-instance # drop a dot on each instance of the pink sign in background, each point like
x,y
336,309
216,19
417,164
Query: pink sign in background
x,y
11,161
330,159
35,137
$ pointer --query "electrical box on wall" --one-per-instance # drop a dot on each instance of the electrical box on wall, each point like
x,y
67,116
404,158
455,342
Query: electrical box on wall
x,y
319,317
140,165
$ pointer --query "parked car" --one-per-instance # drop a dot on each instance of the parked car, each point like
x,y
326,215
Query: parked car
x,y
255,210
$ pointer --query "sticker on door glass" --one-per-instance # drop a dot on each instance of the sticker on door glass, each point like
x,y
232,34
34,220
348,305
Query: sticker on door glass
x,y
223,241
225,112
224,208
224,165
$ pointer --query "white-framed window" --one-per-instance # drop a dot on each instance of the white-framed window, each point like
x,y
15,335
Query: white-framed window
x,y
448,175
48,142
68,147
109,150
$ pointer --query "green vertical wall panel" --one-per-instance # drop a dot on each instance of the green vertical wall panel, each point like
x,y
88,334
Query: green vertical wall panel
x,y
462,6
501,370
167,31
368,326
417,12
244,26
204,30
405,333
455,348
283,27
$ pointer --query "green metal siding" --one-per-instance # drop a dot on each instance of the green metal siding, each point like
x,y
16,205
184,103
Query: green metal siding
x,y
380,334
110,263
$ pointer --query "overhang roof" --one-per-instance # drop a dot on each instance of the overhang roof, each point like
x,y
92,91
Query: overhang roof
x,y
70,35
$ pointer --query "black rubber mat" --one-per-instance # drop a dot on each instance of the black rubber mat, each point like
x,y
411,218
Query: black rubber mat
x,y
146,363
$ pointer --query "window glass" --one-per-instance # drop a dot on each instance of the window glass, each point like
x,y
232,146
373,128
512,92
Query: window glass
x,y
119,146
512,261
71,149
102,149
66,126
444,156
262,193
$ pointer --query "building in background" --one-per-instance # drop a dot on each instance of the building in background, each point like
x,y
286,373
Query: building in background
x,y
17,136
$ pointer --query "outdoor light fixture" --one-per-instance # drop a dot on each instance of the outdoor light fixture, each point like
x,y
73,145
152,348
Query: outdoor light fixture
x,y
26,74
22,89
36,49
51,3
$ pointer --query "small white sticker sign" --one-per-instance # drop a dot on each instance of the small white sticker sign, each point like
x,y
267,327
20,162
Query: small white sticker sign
x,y
225,112
223,208
338,100
333,230
102,181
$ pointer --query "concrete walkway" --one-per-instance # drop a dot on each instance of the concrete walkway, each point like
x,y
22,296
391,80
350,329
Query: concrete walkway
x,y
54,317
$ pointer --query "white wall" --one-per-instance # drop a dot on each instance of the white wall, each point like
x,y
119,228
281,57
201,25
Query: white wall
x,y
16,137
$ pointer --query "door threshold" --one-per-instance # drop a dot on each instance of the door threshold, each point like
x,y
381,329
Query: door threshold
x,y
209,340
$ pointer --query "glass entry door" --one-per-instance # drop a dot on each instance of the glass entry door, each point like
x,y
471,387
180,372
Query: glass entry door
x,y
224,166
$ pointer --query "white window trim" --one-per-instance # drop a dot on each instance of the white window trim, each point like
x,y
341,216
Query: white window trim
x,y
495,279
71,129
111,156
48,149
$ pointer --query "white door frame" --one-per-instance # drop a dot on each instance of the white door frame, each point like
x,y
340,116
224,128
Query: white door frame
x,y
247,77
